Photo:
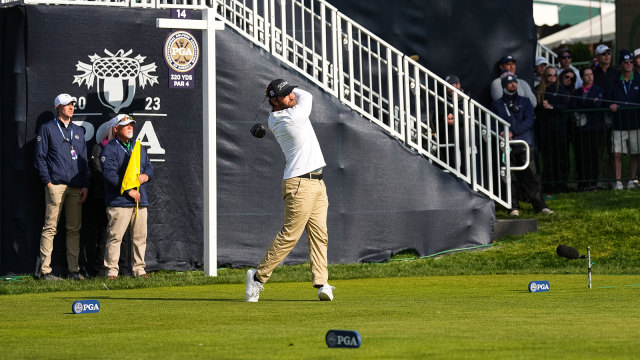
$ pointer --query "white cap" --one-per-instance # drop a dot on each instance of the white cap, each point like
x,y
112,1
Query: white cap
x,y
636,52
122,119
541,60
602,48
64,99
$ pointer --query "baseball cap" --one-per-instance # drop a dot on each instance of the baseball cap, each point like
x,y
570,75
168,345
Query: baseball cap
x,y
452,79
64,99
636,52
122,119
602,48
508,78
541,60
625,55
279,87
505,59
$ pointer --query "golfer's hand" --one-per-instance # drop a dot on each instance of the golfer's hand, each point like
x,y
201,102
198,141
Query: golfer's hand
x,y
135,195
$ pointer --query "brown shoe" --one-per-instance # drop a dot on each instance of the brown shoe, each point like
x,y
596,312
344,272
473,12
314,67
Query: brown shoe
x,y
144,276
111,277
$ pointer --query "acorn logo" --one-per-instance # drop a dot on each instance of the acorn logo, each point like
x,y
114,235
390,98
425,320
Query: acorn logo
x,y
116,76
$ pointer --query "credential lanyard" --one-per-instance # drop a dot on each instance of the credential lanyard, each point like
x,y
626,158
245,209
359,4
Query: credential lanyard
x,y
62,132
126,151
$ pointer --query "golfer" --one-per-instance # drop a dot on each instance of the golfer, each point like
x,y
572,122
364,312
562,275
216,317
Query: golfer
x,y
303,190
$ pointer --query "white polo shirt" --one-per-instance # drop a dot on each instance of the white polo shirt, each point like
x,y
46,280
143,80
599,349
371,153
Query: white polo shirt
x,y
293,131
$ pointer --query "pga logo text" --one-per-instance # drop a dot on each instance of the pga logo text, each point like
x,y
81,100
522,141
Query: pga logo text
x,y
538,286
85,306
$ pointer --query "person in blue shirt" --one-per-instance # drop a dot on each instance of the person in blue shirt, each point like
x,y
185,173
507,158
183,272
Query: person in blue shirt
x,y
518,112
121,208
61,160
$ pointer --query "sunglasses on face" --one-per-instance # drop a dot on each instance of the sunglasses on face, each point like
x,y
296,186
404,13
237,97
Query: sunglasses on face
x,y
551,75
565,57
627,62
608,52
569,77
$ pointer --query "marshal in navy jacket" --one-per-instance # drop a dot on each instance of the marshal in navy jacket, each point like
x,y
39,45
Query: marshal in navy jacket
x,y
114,159
520,117
625,95
53,157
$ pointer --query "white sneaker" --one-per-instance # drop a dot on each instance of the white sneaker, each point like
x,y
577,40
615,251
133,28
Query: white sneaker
x,y
631,184
252,292
514,212
619,185
546,211
325,293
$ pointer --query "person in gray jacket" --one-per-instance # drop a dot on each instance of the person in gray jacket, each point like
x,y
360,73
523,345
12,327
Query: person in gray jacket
x,y
508,65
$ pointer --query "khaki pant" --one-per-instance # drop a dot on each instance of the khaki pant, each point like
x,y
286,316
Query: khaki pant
x,y
121,219
305,208
56,197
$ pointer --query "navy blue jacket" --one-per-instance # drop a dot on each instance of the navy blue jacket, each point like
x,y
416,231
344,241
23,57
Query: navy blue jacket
x,y
53,155
595,120
114,159
615,91
522,121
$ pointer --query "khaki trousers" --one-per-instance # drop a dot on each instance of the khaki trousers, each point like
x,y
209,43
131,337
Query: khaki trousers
x,y
305,208
121,219
56,197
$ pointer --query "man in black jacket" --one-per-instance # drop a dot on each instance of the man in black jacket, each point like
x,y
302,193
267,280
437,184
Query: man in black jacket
x,y
518,112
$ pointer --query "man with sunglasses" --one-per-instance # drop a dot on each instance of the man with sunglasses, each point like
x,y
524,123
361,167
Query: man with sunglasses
x,y
624,92
565,63
603,72
121,208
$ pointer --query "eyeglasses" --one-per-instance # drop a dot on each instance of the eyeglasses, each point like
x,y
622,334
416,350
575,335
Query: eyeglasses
x,y
608,52
551,75
565,57
627,62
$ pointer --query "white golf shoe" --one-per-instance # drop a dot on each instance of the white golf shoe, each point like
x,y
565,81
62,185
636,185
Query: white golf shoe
x,y
325,293
253,289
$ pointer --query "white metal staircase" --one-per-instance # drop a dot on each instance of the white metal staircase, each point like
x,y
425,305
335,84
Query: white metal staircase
x,y
371,77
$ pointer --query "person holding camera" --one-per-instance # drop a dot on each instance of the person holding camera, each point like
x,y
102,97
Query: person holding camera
x,y
518,112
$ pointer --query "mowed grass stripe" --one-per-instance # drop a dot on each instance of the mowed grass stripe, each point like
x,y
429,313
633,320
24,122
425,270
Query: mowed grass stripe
x,y
471,317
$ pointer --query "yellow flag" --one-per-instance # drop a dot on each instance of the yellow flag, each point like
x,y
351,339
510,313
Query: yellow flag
x,y
130,179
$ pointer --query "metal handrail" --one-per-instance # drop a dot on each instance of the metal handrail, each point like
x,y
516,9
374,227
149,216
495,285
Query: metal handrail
x,y
371,77
550,55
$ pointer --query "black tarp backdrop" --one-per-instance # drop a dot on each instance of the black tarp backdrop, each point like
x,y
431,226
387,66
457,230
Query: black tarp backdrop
x,y
382,198
60,41
462,37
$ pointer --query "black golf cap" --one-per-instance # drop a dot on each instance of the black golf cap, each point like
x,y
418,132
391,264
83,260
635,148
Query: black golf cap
x,y
278,88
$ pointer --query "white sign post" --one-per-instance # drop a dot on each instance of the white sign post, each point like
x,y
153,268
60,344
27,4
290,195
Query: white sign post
x,y
208,25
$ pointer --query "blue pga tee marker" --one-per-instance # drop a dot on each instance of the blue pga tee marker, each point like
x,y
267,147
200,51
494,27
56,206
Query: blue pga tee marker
x,y
85,306
343,339
539,286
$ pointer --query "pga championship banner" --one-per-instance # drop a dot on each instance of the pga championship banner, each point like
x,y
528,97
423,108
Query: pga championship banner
x,y
383,198
115,61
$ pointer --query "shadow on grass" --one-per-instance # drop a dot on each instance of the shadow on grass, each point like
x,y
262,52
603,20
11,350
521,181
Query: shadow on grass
x,y
179,299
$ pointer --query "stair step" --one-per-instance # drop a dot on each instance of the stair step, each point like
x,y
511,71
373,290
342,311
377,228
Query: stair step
x,y
504,227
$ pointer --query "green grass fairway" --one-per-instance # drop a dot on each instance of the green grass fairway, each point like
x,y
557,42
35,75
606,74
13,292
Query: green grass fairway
x,y
442,317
